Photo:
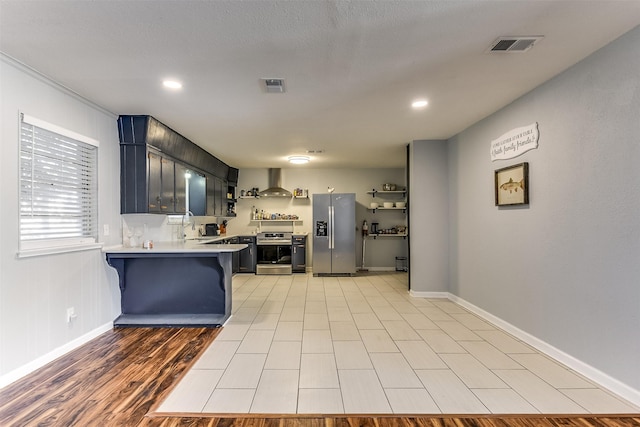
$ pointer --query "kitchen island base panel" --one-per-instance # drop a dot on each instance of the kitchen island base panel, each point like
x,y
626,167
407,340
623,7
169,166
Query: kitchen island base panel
x,y
168,285
173,289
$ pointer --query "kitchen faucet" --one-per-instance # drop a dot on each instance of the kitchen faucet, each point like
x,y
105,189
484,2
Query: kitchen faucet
x,y
187,214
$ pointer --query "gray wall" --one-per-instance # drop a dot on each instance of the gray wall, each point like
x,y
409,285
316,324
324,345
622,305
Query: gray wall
x,y
566,268
35,292
429,216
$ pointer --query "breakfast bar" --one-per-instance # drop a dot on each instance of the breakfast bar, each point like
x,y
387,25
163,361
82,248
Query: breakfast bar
x,y
174,284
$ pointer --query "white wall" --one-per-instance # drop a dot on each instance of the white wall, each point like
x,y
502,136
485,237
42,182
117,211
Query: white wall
x,y
379,253
566,268
35,292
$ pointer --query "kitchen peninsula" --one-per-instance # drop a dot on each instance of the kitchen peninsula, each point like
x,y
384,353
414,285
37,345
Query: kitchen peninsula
x,y
175,284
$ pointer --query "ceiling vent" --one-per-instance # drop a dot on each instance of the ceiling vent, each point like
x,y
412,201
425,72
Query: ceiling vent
x,y
517,44
274,85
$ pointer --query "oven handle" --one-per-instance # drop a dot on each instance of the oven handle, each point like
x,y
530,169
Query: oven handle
x,y
280,243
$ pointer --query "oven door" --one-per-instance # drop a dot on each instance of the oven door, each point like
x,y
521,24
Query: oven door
x,y
273,259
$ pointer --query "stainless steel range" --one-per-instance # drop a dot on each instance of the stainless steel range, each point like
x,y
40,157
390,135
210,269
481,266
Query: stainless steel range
x,y
274,253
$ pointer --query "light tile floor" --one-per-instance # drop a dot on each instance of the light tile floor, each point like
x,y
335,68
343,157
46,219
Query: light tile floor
x,y
363,345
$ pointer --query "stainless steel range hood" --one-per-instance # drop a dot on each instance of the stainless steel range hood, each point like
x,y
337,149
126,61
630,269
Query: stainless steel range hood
x,y
275,185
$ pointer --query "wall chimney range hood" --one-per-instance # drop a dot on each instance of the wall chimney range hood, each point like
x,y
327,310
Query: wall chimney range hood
x,y
275,185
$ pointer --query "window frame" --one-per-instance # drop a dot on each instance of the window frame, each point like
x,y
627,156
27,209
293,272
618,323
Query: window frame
x,y
45,246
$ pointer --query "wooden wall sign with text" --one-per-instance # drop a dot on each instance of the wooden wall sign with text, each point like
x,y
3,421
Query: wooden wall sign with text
x,y
515,142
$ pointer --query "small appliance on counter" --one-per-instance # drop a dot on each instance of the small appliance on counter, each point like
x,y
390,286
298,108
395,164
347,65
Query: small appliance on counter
x,y
211,229
374,228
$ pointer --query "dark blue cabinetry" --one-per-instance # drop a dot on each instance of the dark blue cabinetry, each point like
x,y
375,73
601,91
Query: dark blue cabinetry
x,y
173,289
299,254
153,162
248,256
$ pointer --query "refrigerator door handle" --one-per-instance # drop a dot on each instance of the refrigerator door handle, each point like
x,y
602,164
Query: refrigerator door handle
x,y
332,223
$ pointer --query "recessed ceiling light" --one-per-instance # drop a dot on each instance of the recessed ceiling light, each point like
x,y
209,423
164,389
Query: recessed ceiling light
x,y
420,103
298,160
172,84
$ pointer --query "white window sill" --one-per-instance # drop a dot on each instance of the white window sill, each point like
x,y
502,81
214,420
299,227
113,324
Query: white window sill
x,y
28,253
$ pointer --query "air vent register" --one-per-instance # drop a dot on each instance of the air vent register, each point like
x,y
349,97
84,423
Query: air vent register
x,y
516,44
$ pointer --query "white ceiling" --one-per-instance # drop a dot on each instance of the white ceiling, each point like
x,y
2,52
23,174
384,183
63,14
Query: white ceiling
x,y
351,68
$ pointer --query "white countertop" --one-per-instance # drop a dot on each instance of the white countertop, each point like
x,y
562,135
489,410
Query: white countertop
x,y
198,246
206,239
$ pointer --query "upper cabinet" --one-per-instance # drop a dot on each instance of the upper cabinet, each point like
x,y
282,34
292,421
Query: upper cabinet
x,y
197,184
162,171
162,185
215,200
154,181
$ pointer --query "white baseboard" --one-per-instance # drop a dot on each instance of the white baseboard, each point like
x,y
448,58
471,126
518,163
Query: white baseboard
x,y
615,386
38,363
421,294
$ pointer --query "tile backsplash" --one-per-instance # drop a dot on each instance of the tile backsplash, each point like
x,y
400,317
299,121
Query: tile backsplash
x,y
136,228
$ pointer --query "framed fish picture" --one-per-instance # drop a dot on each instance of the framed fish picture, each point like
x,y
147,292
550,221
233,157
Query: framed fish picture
x,y
512,185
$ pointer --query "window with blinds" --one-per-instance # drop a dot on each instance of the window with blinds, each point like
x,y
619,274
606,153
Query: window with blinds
x,y
58,186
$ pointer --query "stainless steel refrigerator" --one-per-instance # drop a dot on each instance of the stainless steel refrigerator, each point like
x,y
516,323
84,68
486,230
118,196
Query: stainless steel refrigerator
x,y
334,234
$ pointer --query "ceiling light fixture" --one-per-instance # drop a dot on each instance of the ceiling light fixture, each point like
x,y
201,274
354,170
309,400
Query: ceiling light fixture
x,y
298,160
172,84
420,103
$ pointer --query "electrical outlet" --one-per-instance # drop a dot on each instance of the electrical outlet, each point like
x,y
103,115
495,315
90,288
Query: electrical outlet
x,y
71,314
105,229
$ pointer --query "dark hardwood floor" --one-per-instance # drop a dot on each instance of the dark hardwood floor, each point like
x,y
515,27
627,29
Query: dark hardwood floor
x,y
118,378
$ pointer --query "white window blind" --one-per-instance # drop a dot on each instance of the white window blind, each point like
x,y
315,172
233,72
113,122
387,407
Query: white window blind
x,y
58,186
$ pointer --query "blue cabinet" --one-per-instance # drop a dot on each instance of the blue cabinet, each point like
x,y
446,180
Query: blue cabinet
x,y
299,254
153,162
248,256
173,289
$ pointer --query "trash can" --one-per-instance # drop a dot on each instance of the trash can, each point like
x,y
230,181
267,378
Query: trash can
x,y
401,263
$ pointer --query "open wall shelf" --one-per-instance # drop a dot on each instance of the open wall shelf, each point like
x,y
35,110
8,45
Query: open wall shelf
x,y
383,193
